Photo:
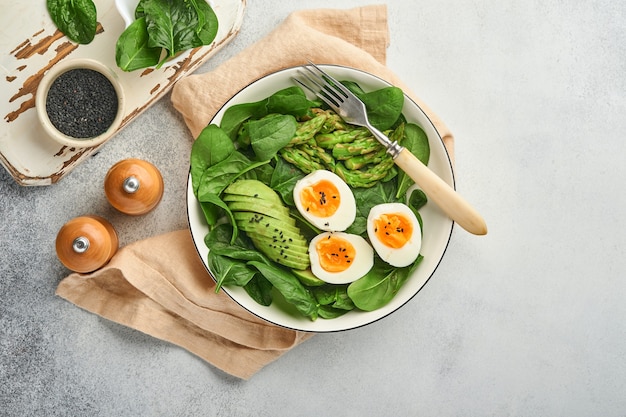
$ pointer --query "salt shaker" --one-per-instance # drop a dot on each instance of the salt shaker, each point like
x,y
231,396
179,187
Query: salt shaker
x,y
86,243
133,186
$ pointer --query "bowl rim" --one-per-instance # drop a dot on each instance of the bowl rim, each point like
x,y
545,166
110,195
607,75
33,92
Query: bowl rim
x,y
190,199
42,94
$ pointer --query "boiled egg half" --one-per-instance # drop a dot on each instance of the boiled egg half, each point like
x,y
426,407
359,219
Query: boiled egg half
x,y
325,200
340,258
395,233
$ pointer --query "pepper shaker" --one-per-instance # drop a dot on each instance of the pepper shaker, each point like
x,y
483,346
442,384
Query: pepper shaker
x,y
86,243
133,186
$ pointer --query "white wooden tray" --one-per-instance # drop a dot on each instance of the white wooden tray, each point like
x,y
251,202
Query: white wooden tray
x,y
31,45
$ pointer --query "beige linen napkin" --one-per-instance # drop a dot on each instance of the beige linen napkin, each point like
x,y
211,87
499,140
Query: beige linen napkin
x,y
159,285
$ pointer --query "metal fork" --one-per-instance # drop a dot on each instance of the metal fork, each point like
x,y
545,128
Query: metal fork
x,y
352,110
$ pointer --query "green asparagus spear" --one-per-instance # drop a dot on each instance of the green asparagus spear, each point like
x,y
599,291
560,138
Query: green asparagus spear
x,y
359,146
364,179
294,155
359,161
319,154
307,129
333,121
329,140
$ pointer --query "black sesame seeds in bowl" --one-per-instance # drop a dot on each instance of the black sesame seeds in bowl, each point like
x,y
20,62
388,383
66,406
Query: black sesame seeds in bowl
x,y
80,103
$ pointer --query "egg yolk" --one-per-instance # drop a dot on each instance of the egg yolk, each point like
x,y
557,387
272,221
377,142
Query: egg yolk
x,y
393,229
320,199
335,254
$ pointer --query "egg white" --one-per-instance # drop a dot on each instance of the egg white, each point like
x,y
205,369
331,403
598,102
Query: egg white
x,y
404,255
346,212
361,264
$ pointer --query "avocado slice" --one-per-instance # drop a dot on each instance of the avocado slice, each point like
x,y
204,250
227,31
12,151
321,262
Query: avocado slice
x,y
254,200
267,225
286,239
253,188
288,257
262,208
284,244
307,278
259,212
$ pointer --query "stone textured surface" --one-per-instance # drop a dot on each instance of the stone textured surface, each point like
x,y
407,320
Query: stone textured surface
x,y
526,321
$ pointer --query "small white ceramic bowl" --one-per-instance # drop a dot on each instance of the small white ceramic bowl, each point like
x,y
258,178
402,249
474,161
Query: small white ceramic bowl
x,y
436,231
42,96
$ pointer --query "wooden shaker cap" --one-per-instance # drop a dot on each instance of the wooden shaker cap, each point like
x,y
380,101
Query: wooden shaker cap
x,y
133,186
86,243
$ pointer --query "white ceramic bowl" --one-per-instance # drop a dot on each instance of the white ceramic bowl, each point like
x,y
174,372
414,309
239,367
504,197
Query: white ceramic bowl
x,y
42,95
437,226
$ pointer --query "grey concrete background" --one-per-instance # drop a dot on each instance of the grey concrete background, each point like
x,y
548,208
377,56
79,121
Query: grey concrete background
x,y
526,321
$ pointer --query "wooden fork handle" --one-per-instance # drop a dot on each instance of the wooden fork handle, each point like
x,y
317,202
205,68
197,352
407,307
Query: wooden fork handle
x,y
442,194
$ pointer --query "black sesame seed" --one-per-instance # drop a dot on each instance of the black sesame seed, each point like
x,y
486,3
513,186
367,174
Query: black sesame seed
x,y
82,103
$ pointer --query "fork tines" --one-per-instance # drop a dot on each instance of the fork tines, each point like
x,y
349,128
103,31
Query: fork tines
x,y
326,88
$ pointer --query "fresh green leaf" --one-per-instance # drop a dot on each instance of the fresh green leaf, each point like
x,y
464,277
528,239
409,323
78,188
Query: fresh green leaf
x,y
208,22
172,25
260,290
214,209
229,272
270,134
132,51
219,176
415,141
290,287
379,285
291,100
210,148
284,179
220,241
77,19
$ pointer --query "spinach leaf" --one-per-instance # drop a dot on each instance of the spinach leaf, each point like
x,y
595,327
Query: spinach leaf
x,y
228,256
379,285
384,106
290,287
415,141
270,134
207,19
131,49
172,26
77,19
260,290
220,241
417,200
214,208
284,179
330,312
366,198
219,176
211,147
229,272
291,101
333,295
